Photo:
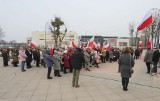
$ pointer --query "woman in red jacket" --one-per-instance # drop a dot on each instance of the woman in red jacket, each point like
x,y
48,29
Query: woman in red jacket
x,y
66,61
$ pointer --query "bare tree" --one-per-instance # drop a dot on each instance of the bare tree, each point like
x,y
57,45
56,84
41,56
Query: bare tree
x,y
131,30
2,34
55,30
12,42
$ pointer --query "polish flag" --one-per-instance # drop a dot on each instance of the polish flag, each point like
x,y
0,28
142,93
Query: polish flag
x,y
149,43
107,46
73,45
91,42
140,43
31,44
104,43
99,46
147,20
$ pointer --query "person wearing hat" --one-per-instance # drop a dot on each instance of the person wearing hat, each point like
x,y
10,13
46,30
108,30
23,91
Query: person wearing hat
x,y
77,59
49,62
155,59
57,61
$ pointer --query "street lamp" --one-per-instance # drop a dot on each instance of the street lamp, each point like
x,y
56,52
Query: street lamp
x,y
45,34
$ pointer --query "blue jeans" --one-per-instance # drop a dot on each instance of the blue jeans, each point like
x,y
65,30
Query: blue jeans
x,y
22,65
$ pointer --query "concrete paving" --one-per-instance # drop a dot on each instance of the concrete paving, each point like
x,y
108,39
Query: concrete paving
x,y
100,84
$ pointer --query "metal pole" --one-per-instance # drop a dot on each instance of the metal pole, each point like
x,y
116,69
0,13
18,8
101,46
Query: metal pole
x,y
45,34
152,36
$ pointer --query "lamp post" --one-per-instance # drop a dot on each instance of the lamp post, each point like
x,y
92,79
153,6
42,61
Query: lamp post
x,y
45,34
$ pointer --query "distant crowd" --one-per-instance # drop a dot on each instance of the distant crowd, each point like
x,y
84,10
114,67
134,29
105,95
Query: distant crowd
x,y
93,57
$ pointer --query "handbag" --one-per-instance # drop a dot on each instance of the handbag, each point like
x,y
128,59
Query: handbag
x,y
131,70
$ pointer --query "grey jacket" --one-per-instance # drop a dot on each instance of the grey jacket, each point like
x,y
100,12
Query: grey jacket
x,y
126,62
57,61
148,56
86,57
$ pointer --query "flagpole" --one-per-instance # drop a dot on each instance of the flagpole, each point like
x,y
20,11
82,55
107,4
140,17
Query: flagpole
x,y
45,34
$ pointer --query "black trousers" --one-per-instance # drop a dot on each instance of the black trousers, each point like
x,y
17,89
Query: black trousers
x,y
148,64
57,72
103,59
37,63
125,82
49,71
28,64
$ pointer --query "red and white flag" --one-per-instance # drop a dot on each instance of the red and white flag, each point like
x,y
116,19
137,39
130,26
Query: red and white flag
x,y
149,43
73,45
107,46
31,44
91,42
147,20
104,43
99,46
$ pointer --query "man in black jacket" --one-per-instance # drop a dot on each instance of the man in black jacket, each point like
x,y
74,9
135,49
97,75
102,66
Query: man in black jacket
x,y
77,59
155,59
29,58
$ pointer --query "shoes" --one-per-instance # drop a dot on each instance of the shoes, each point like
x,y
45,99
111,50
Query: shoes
x,y
59,75
87,69
23,70
49,77
77,86
125,88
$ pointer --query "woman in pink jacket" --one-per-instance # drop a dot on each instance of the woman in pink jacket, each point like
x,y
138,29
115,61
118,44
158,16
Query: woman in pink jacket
x,y
22,58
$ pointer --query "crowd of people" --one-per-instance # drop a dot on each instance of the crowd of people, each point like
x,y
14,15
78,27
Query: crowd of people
x,y
73,60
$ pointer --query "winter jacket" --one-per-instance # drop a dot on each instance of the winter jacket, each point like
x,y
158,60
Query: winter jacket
x,y
148,56
22,56
126,62
77,59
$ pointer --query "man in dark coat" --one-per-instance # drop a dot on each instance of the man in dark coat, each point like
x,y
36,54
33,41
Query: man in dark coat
x,y
77,59
137,54
37,57
155,59
5,56
29,58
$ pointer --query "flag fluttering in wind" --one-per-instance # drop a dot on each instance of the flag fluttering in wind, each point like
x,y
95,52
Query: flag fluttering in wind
x,y
149,43
107,46
91,42
99,46
147,20
73,45
31,44
140,44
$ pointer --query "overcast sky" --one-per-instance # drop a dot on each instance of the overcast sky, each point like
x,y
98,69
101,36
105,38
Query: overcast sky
x,y
19,18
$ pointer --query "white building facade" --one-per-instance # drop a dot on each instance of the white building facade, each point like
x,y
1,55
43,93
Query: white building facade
x,y
123,42
41,39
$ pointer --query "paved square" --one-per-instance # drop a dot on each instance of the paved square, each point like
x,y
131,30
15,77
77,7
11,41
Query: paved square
x,y
100,84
